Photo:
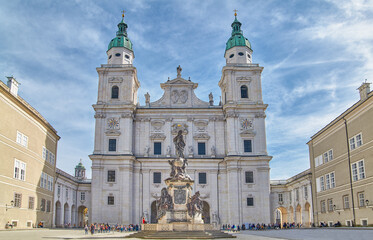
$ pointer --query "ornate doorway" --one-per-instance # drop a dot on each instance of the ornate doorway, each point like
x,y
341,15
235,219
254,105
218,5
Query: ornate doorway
x,y
206,213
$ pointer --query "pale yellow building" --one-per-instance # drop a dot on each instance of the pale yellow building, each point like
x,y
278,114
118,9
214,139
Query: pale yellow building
x,y
28,148
341,158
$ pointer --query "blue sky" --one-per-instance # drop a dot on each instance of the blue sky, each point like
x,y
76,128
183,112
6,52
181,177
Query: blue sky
x,y
314,53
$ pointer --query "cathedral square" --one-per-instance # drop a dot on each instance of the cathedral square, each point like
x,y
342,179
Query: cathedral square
x,y
166,161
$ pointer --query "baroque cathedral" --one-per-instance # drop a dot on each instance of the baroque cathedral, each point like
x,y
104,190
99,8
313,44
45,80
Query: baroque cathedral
x,y
225,142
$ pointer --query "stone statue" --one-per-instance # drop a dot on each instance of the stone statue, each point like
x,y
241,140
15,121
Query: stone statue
x,y
213,151
146,151
168,151
179,144
195,205
147,97
211,97
164,203
179,69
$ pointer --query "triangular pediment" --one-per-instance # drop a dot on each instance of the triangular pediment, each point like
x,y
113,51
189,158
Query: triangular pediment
x,y
179,82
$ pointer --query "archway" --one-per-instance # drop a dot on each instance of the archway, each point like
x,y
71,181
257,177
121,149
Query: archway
x,y
81,221
291,212
66,214
298,214
153,214
206,212
307,217
73,216
281,215
57,220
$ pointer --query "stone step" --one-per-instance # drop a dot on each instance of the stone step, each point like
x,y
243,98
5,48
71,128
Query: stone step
x,y
180,235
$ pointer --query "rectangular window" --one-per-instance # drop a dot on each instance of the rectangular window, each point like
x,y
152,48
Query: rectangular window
x,y
250,201
361,199
332,180
359,141
330,205
249,177
22,139
67,193
326,159
42,205
19,170
358,170
157,177
280,198
290,197
305,192
202,179
330,152
112,145
82,196
110,200
318,160
346,202
59,190
201,148
31,201
352,144
48,206
361,169
323,207
327,181
44,155
247,146
157,148
322,186
111,176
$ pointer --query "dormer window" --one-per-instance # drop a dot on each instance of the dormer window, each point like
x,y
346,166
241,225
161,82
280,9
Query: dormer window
x,y
115,92
244,93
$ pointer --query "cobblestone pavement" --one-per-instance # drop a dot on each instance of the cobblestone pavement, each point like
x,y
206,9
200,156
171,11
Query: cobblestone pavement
x,y
306,234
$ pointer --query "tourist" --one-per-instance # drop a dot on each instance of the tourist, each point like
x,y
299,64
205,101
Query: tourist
x,y
86,229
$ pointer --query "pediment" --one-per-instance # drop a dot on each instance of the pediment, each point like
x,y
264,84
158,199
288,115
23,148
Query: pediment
x,y
179,82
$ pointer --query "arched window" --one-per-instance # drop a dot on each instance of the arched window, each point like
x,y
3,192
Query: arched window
x,y
115,92
244,92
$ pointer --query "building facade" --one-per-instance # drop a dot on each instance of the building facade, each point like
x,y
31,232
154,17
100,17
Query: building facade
x,y
225,143
72,196
291,200
28,147
341,159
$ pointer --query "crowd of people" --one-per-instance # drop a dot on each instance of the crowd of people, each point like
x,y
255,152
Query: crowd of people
x,y
258,226
107,228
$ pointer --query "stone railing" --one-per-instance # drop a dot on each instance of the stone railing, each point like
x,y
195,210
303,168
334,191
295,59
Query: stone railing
x,y
242,65
116,65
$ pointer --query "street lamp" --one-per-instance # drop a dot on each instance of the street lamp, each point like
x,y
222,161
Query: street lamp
x,y
9,206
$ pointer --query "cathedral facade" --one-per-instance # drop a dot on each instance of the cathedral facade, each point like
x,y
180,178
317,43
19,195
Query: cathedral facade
x,y
225,142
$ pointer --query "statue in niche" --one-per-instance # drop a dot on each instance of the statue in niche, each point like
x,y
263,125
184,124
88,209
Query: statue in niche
x,y
179,144
168,151
147,97
146,151
195,205
213,150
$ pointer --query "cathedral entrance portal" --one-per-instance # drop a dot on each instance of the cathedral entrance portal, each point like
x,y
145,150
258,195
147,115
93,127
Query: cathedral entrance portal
x,y
206,213
153,214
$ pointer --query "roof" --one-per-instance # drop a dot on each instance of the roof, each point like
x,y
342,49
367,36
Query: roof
x,y
121,40
237,38
72,178
30,108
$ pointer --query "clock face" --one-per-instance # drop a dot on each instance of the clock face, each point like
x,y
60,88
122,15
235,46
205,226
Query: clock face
x,y
113,123
246,124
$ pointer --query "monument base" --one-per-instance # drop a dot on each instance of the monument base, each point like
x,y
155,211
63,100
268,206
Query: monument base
x,y
177,227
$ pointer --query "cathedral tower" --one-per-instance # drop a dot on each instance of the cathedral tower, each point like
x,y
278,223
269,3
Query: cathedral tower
x,y
246,149
112,158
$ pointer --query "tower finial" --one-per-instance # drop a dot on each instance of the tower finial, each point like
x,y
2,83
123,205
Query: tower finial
x,y
235,12
123,13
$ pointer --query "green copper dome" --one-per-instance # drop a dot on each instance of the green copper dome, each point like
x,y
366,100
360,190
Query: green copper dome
x,y
237,38
80,166
121,40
